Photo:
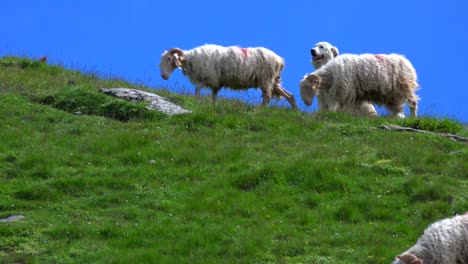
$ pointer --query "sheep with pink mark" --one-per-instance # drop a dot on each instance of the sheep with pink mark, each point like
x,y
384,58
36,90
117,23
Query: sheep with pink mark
x,y
214,67
349,80
322,53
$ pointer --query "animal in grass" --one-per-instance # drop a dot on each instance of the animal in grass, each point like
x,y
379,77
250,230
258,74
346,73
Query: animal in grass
x,y
322,53
349,80
214,66
443,242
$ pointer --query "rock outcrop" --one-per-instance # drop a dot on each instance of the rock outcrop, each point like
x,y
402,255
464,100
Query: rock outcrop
x,y
156,102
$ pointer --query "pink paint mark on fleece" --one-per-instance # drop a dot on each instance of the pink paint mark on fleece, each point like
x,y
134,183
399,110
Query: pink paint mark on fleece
x,y
245,51
380,57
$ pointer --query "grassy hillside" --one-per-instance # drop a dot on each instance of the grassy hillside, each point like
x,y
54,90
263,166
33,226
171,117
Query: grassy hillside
x,y
100,180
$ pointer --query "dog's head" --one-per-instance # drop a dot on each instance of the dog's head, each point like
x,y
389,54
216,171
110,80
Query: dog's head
x,y
322,53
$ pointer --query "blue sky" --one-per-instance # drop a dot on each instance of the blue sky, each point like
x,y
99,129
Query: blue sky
x,y
126,38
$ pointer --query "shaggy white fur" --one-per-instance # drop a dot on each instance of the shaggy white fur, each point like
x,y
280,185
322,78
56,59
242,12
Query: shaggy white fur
x,y
349,80
322,53
443,242
214,66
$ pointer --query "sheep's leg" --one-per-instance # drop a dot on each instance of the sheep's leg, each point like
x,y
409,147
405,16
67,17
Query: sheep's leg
x,y
351,108
322,104
413,105
266,98
333,107
396,110
197,90
214,95
326,104
282,92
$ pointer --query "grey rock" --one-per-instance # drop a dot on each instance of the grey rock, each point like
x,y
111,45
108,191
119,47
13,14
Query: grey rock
x,y
12,218
156,102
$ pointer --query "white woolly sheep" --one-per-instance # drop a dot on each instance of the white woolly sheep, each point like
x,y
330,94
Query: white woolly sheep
x,y
443,242
384,79
322,53
214,66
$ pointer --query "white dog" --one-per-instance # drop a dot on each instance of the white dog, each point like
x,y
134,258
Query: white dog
x,y
322,53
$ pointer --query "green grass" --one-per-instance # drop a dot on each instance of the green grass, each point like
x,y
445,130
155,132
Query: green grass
x,y
231,183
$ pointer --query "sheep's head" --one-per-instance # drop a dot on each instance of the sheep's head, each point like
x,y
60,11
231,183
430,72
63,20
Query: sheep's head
x,y
407,259
309,88
170,60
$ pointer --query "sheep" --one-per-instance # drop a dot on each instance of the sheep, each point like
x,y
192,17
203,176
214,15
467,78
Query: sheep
x,y
322,53
215,66
443,242
349,79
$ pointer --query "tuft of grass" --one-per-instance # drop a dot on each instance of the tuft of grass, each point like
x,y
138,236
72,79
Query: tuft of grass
x,y
431,124
23,63
84,100
35,193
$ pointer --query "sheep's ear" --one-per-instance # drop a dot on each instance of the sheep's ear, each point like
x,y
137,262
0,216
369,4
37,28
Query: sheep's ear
x,y
177,60
335,51
314,80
